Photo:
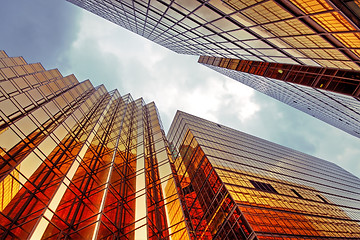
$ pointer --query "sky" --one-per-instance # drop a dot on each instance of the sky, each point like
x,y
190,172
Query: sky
x,y
61,35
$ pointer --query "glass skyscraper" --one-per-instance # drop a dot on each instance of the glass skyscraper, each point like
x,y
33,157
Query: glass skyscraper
x,y
237,186
323,34
80,162
307,32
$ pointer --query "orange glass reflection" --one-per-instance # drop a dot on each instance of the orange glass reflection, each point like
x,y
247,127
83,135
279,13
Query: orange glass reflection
x,y
292,209
312,6
210,211
333,22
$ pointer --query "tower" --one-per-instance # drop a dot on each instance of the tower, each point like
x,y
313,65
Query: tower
x,y
237,186
78,161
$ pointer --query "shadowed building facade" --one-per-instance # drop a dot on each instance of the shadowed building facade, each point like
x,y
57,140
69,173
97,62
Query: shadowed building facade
x,y
237,186
321,34
79,162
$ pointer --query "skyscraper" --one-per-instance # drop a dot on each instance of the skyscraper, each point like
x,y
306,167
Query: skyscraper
x,y
237,186
312,32
79,162
316,33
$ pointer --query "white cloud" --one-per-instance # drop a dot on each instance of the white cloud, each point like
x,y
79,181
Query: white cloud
x,y
346,158
157,74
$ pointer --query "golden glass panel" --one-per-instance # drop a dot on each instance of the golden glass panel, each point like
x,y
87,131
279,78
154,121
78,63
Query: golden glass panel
x,y
8,72
8,87
338,64
188,5
38,67
207,14
350,40
240,4
241,35
242,19
266,12
333,22
8,62
9,187
8,107
29,69
225,25
19,60
356,51
221,6
288,28
178,227
312,41
3,54
324,54
312,6
19,70
20,82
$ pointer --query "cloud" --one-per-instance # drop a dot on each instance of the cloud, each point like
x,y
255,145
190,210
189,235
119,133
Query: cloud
x,y
39,30
125,61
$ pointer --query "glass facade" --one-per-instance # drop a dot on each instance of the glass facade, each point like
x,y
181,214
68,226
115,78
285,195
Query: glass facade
x,y
79,162
237,186
330,95
305,32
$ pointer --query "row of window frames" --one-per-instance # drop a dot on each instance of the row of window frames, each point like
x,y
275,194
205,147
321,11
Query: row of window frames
x,y
257,160
280,176
266,187
346,180
12,61
26,98
328,101
19,85
173,13
259,186
269,188
251,41
46,89
207,138
171,23
11,72
213,142
58,112
46,114
317,107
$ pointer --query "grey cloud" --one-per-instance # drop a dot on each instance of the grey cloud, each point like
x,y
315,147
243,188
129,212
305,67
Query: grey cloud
x,y
39,30
89,62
